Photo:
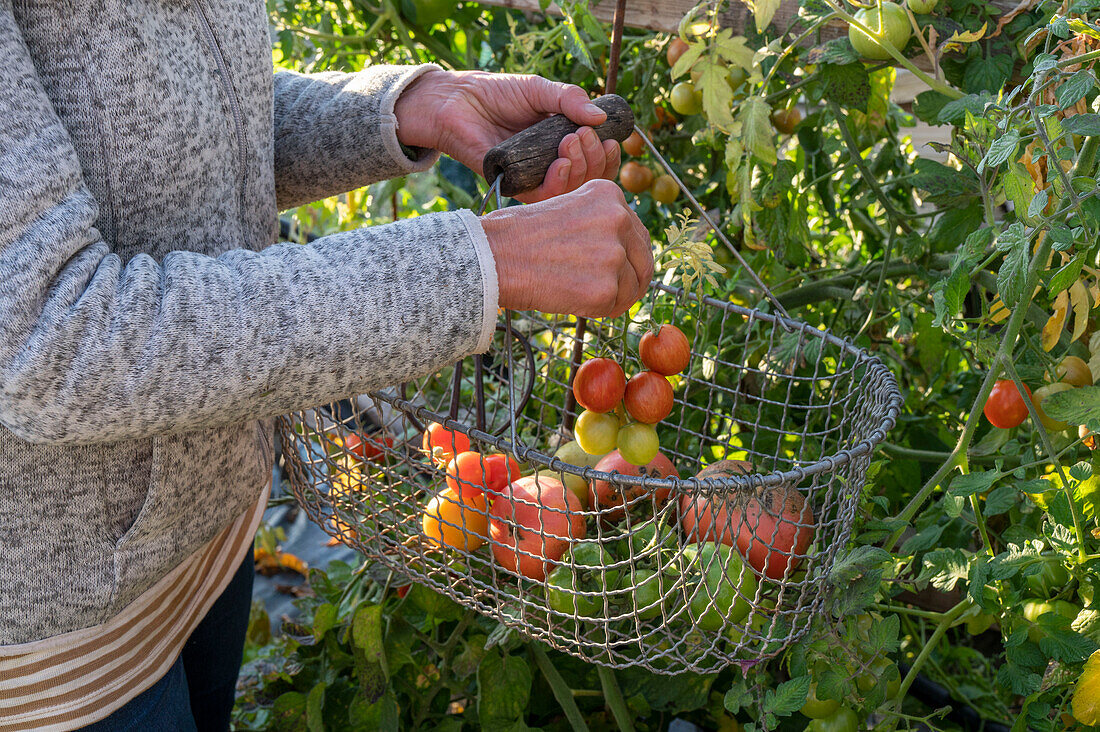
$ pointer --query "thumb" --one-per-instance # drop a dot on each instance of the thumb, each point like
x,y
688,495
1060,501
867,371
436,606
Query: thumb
x,y
568,99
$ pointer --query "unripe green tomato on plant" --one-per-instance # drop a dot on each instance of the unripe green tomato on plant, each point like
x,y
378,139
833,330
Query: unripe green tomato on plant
x,y
815,708
922,7
887,21
685,99
844,720
1051,425
1034,609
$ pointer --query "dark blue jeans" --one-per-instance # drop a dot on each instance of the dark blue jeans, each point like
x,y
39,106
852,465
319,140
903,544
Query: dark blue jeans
x,y
196,695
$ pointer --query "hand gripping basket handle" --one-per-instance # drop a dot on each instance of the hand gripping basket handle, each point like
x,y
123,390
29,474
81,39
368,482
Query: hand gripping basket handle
x,y
523,159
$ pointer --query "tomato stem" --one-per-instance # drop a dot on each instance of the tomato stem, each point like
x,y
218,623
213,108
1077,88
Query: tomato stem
x,y
613,695
561,689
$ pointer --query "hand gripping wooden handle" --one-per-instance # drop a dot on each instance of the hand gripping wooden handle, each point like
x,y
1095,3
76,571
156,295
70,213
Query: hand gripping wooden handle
x,y
524,158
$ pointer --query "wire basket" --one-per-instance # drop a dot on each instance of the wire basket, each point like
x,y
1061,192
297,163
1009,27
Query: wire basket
x,y
670,575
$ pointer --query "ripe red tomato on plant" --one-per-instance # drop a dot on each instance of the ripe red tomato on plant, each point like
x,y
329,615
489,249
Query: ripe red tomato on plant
x,y
467,474
648,397
634,145
667,351
1005,407
599,384
443,444
500,470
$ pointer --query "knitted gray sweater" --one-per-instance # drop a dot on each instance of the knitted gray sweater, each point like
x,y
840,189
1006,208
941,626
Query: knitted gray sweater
x,y
148,326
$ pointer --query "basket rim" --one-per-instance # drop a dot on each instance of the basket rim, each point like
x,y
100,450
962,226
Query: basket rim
x,y
748,481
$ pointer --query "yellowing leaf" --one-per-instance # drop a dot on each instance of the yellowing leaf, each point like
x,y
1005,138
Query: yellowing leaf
x,y
717,95
1086,693
757,132
763,11
688,59
1056,322
1079,296
998,311
968,36
733,49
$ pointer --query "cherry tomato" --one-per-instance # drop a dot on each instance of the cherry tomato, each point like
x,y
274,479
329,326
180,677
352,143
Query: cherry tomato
x,y
1052,576
886,21
1034,609
664,189
1074,371
648,397
596,433
443,444
371,448
638,443
786,120
844,720
815,708
500,470
1005,407
635,177
685,99
466,474
599,385
922,7
457,522
1051,425
634,145
676,49
667,351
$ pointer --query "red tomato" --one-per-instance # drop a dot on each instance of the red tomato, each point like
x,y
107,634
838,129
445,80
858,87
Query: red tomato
x,y
611,500
403,590
466,474
500,470
667,352
1005,407
599,384
648,397
443,444
532,523
371,448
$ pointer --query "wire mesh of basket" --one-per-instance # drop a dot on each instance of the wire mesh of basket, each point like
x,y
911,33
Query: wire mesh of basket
x,y
671,569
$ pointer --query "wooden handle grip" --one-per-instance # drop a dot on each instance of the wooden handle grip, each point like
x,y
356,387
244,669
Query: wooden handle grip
x,y
524,158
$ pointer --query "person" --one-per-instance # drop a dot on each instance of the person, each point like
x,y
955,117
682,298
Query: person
x,y
150,329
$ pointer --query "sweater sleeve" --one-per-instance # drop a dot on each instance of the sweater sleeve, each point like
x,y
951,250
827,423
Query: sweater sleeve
x,y
335,132
94,349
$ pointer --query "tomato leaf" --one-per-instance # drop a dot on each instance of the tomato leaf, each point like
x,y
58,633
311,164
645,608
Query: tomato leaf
x,y
1075,88
1003,148
688,59
366,630
1012,276
504,688
987,73
323,620
737,697
315,702
756,129
837,51
788,697
1082,124
1001,498
1020,189
289,711
849,85
943,568
944,185
734,49
971,483
1076,406
955,111
718,97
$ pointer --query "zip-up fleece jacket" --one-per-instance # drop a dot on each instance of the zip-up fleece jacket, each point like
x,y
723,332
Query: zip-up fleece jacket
x,y
149,327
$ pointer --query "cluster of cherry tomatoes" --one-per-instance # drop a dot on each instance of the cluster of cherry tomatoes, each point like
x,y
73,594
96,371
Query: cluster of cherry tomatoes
x,y
601,387
1005,407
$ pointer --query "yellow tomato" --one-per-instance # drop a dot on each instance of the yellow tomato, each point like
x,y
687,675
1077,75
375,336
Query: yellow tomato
x,y
450,522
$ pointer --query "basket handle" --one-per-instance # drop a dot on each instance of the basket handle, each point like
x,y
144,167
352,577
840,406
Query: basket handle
x,y
523,159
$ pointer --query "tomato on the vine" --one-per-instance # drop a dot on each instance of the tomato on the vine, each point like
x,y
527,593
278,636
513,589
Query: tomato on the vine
x,y
638,443
844,720
648,397
676,49
815,708
635,177
922,7
887,21
599,385
1074,371
1005,407
634,145
685,99
1040,395
664,189
786,120
597,433
443,444
667,351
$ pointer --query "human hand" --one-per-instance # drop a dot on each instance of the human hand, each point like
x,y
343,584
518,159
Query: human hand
x,y
584,253
465,113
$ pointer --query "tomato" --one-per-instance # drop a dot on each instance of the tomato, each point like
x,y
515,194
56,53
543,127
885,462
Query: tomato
x,y
500,470
443,444
876,673
648,397
1052,576
922,7
533,523
578,585
667,351
1051,425
611,500
428,12
887,21
647,538
665,189
638,443
1005,407
572,453
648,601
704,519
685,99
815,708
596,433
635,177
1088,437
1034,609
457,522
599,384
1074,371
979,623
403,590
371,449
634,145
786,120
844,720
676,49
466,474
713,574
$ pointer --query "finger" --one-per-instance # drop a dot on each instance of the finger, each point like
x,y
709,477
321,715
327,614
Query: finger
x,y
628,291
639,251
555,183
553,97
594,157
578,171
613,159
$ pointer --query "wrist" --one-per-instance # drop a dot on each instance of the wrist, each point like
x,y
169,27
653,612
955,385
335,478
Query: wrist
x,y
419,123
500,232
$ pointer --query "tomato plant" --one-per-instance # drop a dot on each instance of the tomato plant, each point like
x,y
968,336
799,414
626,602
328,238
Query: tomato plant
x,y
886,21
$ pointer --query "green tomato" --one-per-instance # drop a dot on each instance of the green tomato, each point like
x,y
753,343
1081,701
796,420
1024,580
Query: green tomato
x,y
880,669
428,12
1051,577
815,708
922,7
887,21
979,623
685,99
583,570
1051,425
638,443
648,600
648,538
1034,609
713,574
844,720
597,433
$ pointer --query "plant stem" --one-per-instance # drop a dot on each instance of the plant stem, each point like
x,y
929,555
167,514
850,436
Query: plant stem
x,y
935,456
614,697
561,690
1090,56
